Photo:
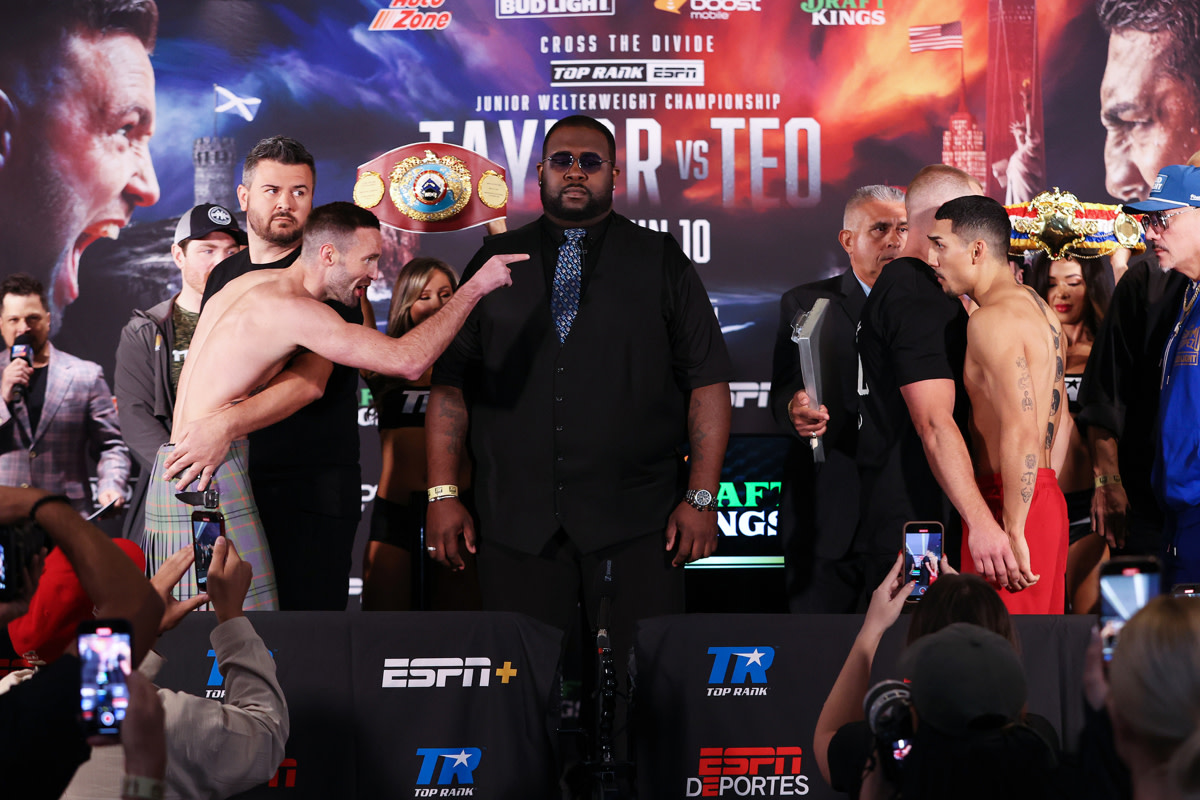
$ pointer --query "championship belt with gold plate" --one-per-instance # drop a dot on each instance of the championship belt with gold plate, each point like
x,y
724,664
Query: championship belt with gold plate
x,y
1057,223
432,187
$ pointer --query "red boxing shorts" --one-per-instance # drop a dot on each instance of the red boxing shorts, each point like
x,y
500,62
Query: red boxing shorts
x,y
1045,534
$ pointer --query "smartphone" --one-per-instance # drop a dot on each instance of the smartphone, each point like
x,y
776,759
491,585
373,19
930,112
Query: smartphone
x,y
1188,590
102,511
105,658
922,555
1126,584
9,568
206,527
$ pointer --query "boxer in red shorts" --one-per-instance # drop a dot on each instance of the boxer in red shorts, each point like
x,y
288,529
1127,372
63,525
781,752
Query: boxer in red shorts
x,y
1014,376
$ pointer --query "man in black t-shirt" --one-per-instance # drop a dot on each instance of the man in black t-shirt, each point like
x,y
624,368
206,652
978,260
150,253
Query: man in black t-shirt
x,y
911,452
303,427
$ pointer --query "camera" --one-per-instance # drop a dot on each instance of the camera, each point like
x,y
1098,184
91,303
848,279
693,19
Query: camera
x,y
18,545
888,708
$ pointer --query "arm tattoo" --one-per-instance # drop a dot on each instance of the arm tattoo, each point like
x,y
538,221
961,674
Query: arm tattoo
x,y
1049,435
1025,383
1028,477
1055,399
455,414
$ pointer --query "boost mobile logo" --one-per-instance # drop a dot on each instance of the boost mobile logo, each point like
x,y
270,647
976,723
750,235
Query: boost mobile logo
x,y
416,673
458,766
748,665
748,772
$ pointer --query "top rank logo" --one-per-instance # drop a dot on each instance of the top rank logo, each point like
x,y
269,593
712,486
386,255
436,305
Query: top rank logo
x,y
515,9
844,12
739,665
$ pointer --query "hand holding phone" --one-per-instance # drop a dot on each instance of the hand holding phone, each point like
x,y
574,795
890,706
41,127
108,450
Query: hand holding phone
x,y
206,527
1126,584
922,555
105,661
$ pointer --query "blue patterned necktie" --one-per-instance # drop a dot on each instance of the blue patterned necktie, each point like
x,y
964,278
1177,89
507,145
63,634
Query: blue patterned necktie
x,y
568,272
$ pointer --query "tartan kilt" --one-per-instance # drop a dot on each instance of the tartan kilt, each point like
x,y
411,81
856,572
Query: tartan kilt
x,y
169,525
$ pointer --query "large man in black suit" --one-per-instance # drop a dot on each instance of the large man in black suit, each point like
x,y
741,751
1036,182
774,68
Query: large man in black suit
x,y
819,511
581,384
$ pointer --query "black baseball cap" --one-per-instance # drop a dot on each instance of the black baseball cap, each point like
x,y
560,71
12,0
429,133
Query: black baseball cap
x,y
208,218
965,678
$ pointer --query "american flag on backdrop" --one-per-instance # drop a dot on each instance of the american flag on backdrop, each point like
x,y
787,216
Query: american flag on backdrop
x,y
935,37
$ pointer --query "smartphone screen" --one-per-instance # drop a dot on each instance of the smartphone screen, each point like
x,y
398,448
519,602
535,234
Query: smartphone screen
x,y
1125,586
105,657
4,568
922,555
206,527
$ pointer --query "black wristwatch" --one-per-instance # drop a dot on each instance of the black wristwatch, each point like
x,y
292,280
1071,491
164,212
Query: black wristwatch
x,y
701,499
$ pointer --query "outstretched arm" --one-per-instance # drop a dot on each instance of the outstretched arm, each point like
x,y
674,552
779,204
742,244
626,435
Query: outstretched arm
x,y
413,353
845,701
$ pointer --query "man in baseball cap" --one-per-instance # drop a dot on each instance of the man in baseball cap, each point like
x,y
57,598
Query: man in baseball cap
x,y
155,342
1174,234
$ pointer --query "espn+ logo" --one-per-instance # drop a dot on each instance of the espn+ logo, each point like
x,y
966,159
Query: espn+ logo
x,y
733,667
748,772
417,673
453,769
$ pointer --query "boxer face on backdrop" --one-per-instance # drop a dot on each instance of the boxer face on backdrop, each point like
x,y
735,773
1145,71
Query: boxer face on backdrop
x,y
575,196
1149,101
277,201
875,232
78,161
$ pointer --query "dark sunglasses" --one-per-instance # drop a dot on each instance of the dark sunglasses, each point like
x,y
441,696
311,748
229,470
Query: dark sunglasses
x,y
1159,220
590,163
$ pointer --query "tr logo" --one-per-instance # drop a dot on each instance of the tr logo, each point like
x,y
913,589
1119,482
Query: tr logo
x,y
749,665
457,765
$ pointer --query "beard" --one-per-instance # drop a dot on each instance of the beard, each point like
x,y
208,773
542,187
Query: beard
x,y
262,229
595,206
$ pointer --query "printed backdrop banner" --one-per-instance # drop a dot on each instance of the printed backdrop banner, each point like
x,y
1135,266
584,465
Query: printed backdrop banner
x,y
727,704
742,126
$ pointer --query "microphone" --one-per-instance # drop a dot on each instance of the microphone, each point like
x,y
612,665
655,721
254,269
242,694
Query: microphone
x,y
23,349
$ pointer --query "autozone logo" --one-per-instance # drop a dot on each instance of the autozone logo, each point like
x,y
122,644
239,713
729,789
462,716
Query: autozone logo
x,y
748,772
623,72
733,667
419,673
452,767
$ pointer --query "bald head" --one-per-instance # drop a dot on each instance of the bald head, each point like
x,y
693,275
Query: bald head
x,y
930,189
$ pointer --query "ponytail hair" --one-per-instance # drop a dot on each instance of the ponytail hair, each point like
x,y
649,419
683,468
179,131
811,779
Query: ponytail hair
x,y
1154,681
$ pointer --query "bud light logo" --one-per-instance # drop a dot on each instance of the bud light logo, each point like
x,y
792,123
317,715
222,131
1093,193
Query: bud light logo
x,y
452,768
733,667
